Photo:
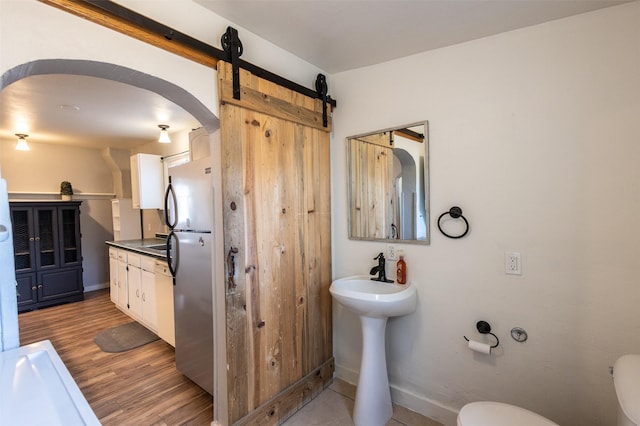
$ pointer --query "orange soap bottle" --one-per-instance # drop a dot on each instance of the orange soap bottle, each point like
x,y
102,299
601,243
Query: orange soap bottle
x,y
401,271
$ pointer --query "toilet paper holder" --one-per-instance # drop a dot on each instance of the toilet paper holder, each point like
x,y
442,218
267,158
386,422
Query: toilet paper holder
x,y
484,328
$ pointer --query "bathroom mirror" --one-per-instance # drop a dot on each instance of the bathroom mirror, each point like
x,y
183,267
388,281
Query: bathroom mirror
x,y
389,184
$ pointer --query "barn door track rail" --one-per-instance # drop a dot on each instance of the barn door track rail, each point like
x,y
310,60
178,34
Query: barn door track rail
x,y
119,18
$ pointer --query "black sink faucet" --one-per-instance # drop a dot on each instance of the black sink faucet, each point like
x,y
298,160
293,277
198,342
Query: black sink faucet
x,y
380,269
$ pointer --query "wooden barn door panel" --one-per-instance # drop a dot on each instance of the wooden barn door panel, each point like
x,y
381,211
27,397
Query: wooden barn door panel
x,y
276,192
372,188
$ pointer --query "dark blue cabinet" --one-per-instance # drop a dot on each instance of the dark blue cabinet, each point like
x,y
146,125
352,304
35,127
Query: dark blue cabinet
x,y
47,253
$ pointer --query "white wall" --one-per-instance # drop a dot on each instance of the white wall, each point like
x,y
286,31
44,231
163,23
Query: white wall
x,y
534,133
45,166
37,174
54,34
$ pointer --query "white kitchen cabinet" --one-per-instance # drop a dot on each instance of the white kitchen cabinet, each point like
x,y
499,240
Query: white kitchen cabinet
x,y
164,297
126,220
142,287
113,274
146,181
149,309
123,298
133,286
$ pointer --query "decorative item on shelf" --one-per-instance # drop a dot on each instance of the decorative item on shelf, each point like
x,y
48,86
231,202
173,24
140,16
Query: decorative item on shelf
x,y
164,135
455,212
22,144
66,191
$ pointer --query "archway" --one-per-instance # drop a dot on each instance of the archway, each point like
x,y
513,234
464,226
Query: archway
x,y
118,73
406,193
108,71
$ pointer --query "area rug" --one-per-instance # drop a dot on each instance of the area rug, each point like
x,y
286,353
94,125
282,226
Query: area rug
x,y
124,337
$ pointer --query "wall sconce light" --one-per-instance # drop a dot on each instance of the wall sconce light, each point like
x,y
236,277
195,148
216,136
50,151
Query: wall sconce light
x,y
164,135
22,144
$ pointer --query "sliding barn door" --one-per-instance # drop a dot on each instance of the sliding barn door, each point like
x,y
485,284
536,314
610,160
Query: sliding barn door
x,y
276,196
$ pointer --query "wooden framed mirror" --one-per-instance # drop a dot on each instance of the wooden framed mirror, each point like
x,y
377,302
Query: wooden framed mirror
x,y
389,184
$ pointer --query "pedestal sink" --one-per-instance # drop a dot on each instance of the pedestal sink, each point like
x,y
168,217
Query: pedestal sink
x,y
374,302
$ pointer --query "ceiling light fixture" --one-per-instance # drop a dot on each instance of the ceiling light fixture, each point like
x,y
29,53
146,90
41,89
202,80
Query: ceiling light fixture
x,y
67,107
164,135
22,144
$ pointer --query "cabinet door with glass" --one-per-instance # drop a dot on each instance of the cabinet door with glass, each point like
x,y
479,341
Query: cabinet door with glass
x,y
23,239
35,238
69,225
46,237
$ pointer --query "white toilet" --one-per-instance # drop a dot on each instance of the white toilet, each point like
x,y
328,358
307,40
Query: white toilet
x,y
487,413
626,378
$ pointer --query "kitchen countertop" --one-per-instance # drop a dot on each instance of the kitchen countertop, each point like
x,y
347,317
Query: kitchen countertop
x,y
142,246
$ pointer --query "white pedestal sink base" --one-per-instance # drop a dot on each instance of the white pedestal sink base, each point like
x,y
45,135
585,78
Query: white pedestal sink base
x,y
374,302
373,397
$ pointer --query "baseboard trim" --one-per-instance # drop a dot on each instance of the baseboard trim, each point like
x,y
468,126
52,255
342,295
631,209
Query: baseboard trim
x,y
291,399
425,406
95,287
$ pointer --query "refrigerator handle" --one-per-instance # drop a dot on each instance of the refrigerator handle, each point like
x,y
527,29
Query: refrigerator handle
x,y
173,261
167,219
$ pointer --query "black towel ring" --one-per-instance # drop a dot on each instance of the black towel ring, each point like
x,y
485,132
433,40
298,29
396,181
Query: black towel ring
x,y
455,212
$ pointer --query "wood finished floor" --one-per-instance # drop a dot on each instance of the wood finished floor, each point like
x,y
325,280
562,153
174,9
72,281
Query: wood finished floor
x,y
137,387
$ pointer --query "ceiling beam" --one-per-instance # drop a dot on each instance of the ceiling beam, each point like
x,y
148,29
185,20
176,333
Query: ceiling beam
x,y
141,28
410,134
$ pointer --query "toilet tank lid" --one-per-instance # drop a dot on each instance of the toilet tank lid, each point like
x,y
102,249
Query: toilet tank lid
x,y
489,413
626,378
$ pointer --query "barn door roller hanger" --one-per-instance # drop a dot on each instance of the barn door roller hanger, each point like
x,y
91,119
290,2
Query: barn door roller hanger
x,y
110,11
232,46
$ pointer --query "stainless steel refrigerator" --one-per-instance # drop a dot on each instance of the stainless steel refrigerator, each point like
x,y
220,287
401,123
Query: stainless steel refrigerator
x,y
189,216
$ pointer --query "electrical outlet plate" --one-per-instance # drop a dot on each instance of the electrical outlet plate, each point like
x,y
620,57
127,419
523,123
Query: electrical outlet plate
x,y
392,252
512,263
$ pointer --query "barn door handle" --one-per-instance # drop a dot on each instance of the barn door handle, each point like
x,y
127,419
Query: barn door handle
x,y
231,268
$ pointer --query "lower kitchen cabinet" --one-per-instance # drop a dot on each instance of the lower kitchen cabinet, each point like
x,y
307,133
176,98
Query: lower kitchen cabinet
x,y
141,283
133,285
113,274
123,297
164,298
148,308
47,253
134,288
118,277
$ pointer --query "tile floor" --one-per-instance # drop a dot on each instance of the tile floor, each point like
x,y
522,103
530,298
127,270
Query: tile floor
x,y
334,407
